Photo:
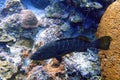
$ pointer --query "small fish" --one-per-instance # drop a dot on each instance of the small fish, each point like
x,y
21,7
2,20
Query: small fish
x,y
56,49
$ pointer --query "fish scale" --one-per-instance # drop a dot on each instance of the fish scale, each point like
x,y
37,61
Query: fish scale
x,y
63,46
68,45
77,44
73,43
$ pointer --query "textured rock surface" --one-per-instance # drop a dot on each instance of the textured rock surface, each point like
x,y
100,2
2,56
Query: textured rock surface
x,y
38,73
11,7
85,63
7,69
13,24
110,59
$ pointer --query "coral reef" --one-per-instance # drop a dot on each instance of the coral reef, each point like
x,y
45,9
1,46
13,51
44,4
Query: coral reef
x,y
110,59
26,25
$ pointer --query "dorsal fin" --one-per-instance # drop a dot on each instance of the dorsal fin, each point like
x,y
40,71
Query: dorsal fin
x,y
84,38
79,37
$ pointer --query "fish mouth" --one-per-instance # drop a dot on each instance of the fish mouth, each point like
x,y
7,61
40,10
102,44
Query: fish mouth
x,y
35,57
32,57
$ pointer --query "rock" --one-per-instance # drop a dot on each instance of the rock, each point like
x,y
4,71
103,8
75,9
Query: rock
x,y
4,37
110,26
7,69
65,27
46,22
11,7
28,19
38,73
76,18
85,64
12,26
78,11
11,22
29,33
49,34
56,10
55,69
7,38
95,5
25,42
15,63
50,12
13,56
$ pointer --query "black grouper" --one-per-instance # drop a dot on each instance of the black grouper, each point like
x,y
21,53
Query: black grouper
x,y
58,48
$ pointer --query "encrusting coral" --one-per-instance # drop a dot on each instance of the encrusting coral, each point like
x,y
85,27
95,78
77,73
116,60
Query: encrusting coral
x,y
110,26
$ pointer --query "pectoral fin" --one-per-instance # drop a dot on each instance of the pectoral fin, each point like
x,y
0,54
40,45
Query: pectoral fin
x,y
59,58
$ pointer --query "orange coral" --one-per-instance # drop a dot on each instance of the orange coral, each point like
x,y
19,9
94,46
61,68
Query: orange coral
x,y
52,70
110,26
25,53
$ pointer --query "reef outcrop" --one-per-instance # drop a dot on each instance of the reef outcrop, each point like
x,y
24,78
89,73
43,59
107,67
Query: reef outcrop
x,y
110,26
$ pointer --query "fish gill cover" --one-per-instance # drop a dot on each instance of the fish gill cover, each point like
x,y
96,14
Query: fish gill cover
x,y
54,19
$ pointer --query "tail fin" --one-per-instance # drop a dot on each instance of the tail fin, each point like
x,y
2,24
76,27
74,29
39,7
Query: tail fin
x,y
103,42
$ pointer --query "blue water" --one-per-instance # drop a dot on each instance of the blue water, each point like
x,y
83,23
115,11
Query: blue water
x,y
2,2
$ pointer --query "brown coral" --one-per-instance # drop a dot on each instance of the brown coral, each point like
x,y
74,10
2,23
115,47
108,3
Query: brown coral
x,y
54,69
110,26
28,19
